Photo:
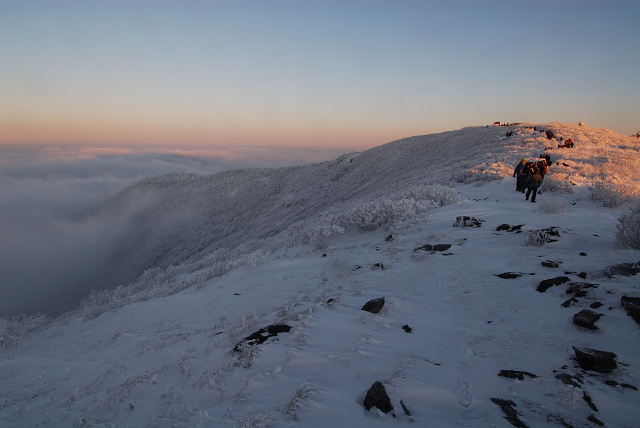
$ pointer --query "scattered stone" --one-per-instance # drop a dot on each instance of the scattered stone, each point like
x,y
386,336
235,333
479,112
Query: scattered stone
x,y
632,306
466,221
550,264
622,269
516,374
587,398
595,360
405,408
441,247
567,379
583,254
407,328
579,289
377,397
592,418
374,306
378,266
548,283
509,275
582,275
595,305
586,319
510,414
569,302
389,238
629,386
436,247
262,335
509,228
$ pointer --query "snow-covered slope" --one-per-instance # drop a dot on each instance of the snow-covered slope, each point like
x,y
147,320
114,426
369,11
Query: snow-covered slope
x,y
150,355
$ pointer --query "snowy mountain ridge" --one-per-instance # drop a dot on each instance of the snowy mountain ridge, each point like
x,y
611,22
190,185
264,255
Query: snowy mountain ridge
x,y
163,350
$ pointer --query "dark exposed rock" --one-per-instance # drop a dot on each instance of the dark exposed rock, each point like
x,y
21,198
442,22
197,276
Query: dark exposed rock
x,y
466,221
407,328
263,334
374,306
586,319
548,283
595,305
632,306
587,398
378,266
593,359
567,379
441,247
583,275
405,408
389,238
510,414
509,275
377,397
516,374
550,263
622,269
509,228
592,418
569,302
436,247
579,289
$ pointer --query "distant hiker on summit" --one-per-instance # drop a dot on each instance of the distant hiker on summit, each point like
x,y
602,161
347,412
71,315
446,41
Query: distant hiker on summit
x,y
519,174
533,181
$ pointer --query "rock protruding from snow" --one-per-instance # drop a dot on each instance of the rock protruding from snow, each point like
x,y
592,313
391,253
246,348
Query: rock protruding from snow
x,y
516,374
622,269
374,306
510,412
586,319
262,335
545,284
632,306
435,247
595,360
377,397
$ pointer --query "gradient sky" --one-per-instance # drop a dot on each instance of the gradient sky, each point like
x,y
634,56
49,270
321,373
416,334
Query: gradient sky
x,y
352,74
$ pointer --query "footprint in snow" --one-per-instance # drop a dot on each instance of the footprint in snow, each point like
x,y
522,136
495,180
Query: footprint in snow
x,y
462,393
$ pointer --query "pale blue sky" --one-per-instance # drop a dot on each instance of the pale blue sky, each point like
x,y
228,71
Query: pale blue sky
x,y
350,74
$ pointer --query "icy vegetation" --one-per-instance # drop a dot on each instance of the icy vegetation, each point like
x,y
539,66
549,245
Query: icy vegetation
x,y
236,299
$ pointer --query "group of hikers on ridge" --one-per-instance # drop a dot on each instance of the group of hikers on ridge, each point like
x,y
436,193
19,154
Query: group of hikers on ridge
x,y
529,176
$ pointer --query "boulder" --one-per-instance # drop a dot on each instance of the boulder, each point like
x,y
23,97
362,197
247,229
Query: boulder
x,y
586,319
377,397
595,360
374,306
550,263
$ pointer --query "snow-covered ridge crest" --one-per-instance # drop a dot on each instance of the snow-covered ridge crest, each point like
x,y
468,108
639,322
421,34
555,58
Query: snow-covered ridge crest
x,y
184,222
478,326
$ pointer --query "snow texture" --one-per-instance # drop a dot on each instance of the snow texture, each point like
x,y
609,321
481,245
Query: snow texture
x,y
212,260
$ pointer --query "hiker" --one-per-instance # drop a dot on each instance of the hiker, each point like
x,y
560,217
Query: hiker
x,y
534,180
542,167
519,174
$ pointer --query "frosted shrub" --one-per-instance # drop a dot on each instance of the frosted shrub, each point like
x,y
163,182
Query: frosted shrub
x,y
553,205
555,185
391,214
628,235
612,194
12,330
537,238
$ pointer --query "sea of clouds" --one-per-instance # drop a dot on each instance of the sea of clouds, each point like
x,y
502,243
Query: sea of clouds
x,y
52,243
